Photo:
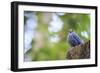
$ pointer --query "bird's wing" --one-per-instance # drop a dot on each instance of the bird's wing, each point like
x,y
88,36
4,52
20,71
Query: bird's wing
x,y
76,37
72,40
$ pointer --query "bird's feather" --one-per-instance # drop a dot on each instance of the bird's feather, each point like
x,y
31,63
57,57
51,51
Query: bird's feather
x,y
73,39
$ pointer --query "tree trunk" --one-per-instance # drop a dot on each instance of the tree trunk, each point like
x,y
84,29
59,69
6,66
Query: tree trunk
x,y
81,51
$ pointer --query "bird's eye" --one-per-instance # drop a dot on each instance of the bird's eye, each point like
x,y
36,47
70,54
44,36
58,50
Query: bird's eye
x,y
70,32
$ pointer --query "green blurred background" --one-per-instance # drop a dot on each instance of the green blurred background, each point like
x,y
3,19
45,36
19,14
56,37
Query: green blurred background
x,y
50,34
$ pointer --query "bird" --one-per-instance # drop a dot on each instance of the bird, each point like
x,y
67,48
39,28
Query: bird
x,y
73,38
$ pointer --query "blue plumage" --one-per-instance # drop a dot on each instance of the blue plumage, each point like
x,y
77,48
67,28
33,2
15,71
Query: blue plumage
x,y
74,39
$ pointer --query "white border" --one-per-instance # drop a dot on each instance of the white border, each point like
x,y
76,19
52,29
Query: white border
x,y
22,64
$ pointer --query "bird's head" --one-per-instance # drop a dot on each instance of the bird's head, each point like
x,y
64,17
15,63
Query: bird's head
x,y
70,30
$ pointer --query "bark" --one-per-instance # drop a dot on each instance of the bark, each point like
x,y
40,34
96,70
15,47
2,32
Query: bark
x,y
81,51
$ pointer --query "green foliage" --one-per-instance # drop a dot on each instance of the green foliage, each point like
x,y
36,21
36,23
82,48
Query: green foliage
x,y
78,22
